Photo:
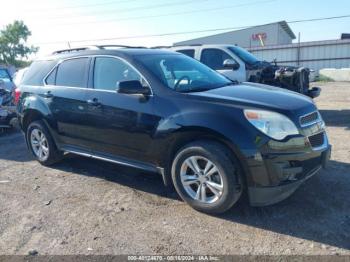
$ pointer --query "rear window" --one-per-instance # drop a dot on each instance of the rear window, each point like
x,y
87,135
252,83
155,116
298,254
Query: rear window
x,y
37,72
188,52
73,72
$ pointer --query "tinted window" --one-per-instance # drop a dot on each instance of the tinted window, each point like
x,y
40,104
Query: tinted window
x,y
37,71
214,58
109,71
73,72
188,52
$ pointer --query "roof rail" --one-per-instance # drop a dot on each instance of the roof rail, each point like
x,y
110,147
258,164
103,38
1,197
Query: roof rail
x,y
120,46
169,46
160,46
93,47
62,51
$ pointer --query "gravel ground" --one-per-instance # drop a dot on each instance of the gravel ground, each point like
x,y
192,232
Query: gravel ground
x,y
82,206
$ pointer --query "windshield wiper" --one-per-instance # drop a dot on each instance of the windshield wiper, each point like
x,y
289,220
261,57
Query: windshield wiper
x,y
195,90
203,89
233,82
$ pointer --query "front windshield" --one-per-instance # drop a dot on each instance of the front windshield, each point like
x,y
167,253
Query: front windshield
x,y
4,74
243,54
182,73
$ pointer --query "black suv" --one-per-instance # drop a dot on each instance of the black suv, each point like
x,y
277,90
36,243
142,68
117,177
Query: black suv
x,y
164,112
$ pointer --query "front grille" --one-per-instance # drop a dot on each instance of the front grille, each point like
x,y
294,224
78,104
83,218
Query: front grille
x,y
317,140
308,119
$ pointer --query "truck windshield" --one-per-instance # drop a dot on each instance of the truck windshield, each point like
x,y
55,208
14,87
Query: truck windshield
x,y
182,73
243,54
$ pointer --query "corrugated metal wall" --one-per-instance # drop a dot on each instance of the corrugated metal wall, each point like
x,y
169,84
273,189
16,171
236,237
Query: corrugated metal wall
x,y
315,55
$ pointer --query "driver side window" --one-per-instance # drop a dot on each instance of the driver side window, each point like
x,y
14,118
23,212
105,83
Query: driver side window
x,y
214,58
108,71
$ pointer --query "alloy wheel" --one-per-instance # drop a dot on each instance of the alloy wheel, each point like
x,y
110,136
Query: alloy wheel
x,y
39,144
201,179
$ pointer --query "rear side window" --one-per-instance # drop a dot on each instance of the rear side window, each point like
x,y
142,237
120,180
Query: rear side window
x,y
37,72
214,58
188,52
73,72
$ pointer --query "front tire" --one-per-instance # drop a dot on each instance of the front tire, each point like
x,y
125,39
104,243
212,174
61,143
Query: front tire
x,y
207,176
41,144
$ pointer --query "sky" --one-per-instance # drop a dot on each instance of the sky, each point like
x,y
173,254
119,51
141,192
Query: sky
x,y
54,23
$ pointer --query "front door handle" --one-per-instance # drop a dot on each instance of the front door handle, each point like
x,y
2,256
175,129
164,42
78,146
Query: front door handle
x,y
93,102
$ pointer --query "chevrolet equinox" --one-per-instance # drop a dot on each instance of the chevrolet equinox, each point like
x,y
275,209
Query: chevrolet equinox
x,y
164,112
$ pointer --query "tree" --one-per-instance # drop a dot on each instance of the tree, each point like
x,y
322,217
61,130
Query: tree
x,y
13,46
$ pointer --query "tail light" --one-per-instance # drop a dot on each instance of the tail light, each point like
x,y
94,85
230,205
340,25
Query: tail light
x,y
17,96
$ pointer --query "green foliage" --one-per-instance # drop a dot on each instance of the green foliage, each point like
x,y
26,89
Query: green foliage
x,y
323,78
13,46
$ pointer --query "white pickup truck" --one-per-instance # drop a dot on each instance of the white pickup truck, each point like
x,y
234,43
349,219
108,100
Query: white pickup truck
x,y
238,64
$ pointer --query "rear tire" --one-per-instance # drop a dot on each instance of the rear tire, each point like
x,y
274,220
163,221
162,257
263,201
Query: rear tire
x,y
41,144
207,176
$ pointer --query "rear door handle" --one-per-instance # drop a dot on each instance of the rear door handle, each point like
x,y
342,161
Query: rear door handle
x,y
48,94
93,102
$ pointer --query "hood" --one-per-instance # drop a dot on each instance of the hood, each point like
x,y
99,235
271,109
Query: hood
x,y
260,96
258,65
264,64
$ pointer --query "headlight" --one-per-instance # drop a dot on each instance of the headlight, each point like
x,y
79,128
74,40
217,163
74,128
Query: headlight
x,y
270,123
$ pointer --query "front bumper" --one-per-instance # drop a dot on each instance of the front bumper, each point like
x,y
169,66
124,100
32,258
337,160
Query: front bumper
x,y
276,175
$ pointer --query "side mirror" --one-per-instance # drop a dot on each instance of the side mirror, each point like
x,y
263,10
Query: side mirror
x,y
231,64
132,87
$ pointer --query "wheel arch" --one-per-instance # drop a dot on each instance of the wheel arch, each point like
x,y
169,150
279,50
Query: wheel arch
x,y
186,135
33,108
30,116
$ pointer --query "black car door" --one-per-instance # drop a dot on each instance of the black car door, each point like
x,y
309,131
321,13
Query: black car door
x,y
65,94
122,124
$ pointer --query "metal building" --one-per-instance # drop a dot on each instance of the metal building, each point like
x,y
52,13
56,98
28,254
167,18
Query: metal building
x,y
278,33
315,55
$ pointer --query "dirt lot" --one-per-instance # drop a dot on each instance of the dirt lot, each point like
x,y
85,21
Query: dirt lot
x,y
82,206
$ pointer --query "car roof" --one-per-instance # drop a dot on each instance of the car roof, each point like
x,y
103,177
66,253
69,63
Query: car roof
x,y
131,52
